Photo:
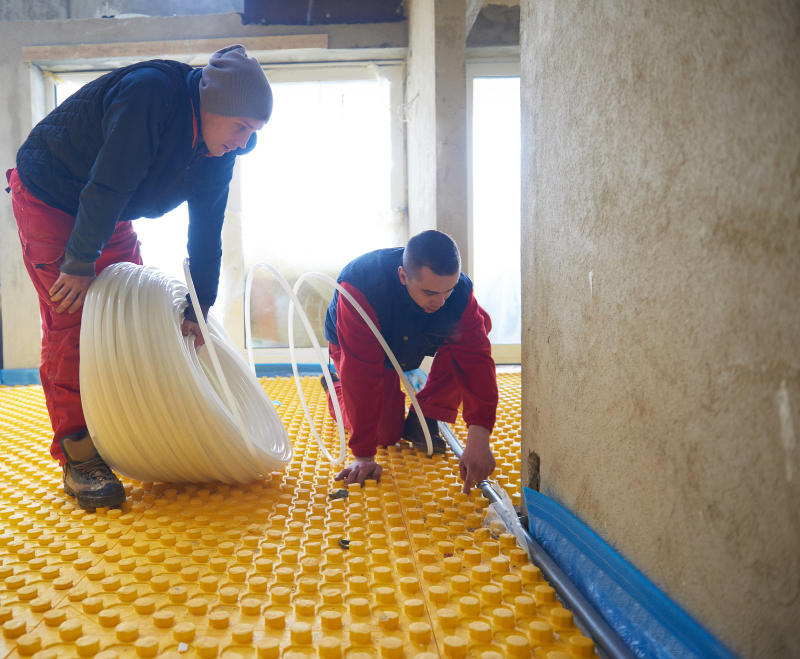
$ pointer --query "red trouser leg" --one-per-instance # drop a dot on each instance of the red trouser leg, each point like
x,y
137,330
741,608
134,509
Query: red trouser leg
x,y
441,395
44,232
393,417
390,427
336,355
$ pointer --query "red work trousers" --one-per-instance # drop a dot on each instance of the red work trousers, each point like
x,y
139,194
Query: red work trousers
x,y
44,232
439,398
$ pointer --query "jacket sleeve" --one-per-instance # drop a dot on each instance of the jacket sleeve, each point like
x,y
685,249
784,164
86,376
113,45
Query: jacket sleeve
x,y
134,114
208,198
360,371
207,201
472,354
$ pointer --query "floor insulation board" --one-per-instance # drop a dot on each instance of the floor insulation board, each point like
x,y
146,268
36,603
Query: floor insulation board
x,y
278,568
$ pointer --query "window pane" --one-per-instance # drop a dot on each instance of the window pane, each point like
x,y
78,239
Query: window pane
x,y
496,203
316,193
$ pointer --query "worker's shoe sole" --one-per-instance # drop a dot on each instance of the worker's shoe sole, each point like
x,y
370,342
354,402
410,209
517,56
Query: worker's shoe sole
x,y
412,433
109,499
324,382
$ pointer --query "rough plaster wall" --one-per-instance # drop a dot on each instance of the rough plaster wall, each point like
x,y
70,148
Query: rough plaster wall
x,y
661,243
451,123
436,112
21,343
24,10
495,25
100,8
421,116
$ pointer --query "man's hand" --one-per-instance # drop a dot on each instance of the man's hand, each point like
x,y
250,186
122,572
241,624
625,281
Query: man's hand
x,y
477,462
70,290
190,327
360,470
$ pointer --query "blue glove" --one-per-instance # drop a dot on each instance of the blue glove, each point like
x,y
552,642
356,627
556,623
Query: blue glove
x,y
417,378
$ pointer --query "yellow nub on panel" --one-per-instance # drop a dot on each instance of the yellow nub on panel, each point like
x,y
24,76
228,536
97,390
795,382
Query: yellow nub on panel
x,y
277,568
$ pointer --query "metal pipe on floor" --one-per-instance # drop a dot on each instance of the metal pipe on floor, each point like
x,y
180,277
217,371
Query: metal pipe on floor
x,y
604,636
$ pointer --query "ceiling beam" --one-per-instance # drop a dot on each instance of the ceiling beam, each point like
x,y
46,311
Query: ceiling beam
x,y
172,47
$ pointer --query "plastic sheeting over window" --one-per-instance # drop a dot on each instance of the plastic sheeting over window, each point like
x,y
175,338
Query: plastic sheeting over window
x,y
496,203
317,189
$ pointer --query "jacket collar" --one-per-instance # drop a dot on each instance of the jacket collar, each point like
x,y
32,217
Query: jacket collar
x,y
193,80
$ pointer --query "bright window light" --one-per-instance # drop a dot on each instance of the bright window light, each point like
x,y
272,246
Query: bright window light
x,y
496,203
316,191
163,240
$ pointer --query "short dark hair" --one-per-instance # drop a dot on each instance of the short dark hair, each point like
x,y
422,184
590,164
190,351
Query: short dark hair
x,y
433,249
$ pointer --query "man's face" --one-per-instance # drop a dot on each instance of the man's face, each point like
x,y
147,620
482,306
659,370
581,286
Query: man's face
x,y
223,134
427,289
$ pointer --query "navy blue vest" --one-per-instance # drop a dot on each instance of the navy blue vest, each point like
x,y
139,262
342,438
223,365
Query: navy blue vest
x,y
410,332
55,161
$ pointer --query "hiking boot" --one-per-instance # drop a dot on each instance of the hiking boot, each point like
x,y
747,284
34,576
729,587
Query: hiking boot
x,y
334,378
412,432
86,476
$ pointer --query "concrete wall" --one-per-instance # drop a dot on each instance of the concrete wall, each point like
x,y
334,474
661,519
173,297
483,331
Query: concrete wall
x,y
661,310
437,119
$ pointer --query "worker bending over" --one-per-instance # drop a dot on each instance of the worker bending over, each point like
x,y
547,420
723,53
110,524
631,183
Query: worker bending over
x,y
423,304
136,142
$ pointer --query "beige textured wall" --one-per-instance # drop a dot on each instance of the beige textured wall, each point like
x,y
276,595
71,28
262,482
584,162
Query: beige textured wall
x,y
661,279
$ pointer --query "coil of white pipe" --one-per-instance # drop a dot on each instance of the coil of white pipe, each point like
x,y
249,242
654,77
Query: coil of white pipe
x,y
157,409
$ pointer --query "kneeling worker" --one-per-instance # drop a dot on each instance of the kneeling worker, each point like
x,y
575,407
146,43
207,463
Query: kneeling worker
x,y
423,305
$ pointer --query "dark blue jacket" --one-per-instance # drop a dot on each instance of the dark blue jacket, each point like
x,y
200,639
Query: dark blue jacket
x,y
409,331
129,145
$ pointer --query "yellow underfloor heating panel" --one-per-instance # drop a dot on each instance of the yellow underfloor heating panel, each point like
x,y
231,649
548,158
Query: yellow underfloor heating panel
x,y
280,568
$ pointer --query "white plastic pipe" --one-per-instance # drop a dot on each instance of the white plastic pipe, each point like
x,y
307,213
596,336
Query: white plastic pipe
x,y
156,408
375,331
320,357
293,300
209,344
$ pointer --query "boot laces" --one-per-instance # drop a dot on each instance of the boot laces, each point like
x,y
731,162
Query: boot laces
x,y
95,468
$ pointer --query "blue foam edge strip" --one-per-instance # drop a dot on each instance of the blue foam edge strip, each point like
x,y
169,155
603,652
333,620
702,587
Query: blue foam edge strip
x,y
15,377
647,621
278,370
